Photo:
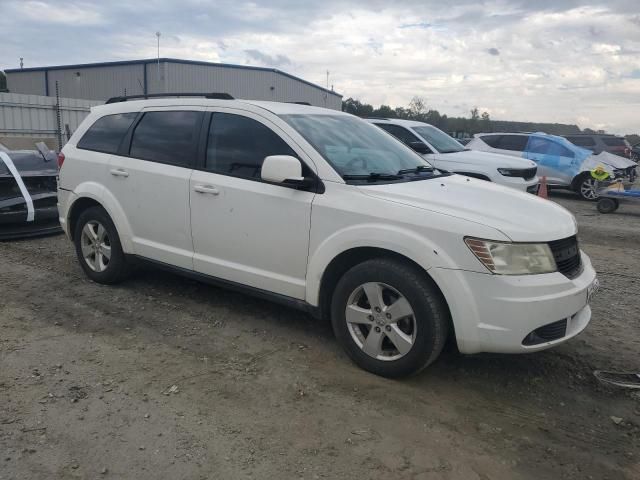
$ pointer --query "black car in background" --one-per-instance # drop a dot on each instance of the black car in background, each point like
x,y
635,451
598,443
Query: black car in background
x,y
598,143
28,192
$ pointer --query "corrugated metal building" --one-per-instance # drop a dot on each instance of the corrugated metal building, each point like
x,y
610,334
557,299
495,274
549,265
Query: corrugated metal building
x,y
100,81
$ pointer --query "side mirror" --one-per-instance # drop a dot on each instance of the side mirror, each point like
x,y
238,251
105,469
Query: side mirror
x,y
420,147
282,169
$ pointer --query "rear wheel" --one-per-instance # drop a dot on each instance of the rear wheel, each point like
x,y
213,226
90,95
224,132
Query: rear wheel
x,y
389,318
98,247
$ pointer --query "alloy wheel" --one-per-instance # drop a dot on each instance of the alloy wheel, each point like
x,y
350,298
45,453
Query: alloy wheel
x,y
381,321
588,189
96,246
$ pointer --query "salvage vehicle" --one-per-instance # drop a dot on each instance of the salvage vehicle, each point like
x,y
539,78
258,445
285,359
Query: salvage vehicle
x,y
28,194
320,210
446,153
564,164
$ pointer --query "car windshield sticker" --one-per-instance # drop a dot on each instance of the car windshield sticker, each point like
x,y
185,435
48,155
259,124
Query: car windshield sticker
x,y
23,189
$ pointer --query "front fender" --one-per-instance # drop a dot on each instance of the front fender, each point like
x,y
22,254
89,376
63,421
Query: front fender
x,y
404,242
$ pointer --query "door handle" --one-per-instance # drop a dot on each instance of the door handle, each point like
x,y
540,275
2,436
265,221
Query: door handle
x,y
210,189
118,172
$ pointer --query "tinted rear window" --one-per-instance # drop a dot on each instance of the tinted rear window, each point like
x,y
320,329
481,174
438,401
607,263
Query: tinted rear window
x,y
582,141
107,132
513,142
167,137
614,141
491,140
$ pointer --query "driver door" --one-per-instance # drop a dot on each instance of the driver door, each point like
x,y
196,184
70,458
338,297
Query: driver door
x,y
245,230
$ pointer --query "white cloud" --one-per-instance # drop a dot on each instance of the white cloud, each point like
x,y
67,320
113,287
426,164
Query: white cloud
x,y
550,60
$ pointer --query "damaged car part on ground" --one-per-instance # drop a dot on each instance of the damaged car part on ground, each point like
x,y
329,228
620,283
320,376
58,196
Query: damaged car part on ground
x,y
28,193
323,211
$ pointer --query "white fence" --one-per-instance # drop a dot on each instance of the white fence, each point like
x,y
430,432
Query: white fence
x,y
35,115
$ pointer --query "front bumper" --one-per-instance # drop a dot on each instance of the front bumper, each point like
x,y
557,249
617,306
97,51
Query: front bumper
x,y
496,313
519,183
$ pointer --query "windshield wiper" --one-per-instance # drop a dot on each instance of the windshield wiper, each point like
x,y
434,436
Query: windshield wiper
x,y
418,169
373,176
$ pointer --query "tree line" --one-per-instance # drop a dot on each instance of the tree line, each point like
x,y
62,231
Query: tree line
x,y
458,126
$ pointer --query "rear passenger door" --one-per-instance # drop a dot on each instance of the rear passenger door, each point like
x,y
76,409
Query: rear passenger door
x,y
149,178
245,230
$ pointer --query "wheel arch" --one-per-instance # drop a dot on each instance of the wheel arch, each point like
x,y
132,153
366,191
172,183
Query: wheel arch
x,y
90,195
347,259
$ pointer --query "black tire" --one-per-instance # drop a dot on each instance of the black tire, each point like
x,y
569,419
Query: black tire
x,y
117,268
584,184
430,314
608,205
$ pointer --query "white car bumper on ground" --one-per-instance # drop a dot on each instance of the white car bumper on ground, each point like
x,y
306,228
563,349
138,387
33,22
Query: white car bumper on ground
x,y
517,314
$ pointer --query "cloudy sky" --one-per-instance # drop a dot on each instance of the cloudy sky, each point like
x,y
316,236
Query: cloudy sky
x,y
546,60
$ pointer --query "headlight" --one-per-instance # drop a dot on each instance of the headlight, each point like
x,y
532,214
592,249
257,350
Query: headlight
x,y
504,258
510,172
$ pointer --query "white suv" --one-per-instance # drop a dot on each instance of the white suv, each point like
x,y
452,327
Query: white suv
x,y
323,211
446,153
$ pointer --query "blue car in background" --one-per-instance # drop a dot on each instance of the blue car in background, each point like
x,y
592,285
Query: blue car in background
x,y
564,164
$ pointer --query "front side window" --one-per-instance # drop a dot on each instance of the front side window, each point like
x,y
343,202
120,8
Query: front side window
x,y
354,147
238,145
548,147
106,134
167,137
442,142
614,141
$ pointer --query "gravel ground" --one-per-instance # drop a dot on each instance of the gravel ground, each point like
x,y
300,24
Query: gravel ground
x,y
163,377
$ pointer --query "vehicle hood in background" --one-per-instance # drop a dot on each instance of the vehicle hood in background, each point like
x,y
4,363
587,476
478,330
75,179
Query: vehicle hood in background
x,y
520,216
486,158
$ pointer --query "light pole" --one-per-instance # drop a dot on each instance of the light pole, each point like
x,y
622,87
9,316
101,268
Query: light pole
x,y
158,35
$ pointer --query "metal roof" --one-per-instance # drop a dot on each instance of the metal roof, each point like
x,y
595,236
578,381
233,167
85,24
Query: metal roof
x,y
167,60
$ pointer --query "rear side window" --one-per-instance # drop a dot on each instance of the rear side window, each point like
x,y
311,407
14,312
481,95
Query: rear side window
x,y
400,133
614,141
516,143
582,141
106,134
238,145
491,140
167,137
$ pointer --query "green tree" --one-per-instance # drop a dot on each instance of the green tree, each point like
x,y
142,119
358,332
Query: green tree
x,y
486,122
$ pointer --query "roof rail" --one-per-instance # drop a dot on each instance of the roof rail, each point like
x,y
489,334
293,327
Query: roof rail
x,y
381,118
300,103
213,95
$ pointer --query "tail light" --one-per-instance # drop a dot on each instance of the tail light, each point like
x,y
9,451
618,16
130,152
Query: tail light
x,y
60,160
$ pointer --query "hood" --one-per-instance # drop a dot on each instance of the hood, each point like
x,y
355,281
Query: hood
x,y
520,216
486,158
614,161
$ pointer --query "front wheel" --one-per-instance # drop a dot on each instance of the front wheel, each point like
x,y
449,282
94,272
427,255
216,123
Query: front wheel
x,y
586,187
390,319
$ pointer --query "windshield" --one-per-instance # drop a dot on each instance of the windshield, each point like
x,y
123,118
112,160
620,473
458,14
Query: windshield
x,y
356,148
439,140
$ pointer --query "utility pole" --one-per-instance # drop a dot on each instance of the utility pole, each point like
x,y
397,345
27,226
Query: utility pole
x,y
21,63
158,35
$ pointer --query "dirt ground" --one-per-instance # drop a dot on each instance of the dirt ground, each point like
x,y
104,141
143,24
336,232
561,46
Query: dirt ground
x,y
166,378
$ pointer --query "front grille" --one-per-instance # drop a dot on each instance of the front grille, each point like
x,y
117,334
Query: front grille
x,y
566,253
546,333
533,189
529,173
